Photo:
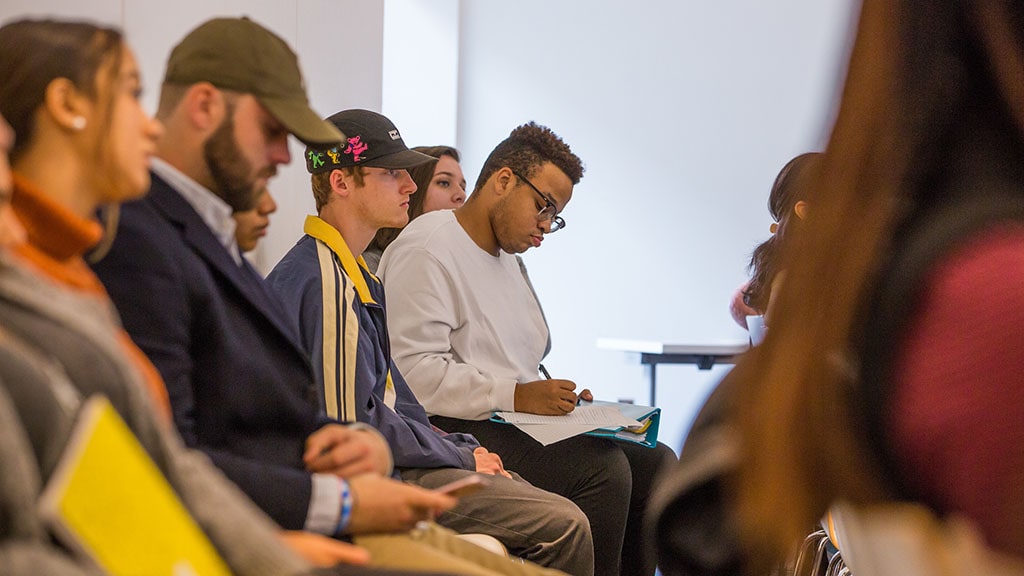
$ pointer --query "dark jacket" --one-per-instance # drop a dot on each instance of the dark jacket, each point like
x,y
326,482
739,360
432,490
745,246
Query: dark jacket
x,y
240,386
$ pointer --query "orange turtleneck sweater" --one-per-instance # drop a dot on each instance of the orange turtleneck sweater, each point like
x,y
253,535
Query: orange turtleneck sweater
x,y
56,240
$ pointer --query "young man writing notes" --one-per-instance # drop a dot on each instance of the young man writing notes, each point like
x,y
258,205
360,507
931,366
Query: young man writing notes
x,y
468,332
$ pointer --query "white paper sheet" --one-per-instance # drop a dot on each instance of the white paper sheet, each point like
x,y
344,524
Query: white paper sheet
x,y
596,416
550,433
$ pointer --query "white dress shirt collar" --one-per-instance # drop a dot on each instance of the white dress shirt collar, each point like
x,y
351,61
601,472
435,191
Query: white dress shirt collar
x,y
214,211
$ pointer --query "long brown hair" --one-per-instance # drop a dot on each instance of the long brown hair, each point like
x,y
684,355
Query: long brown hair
x,y
421,175
919,70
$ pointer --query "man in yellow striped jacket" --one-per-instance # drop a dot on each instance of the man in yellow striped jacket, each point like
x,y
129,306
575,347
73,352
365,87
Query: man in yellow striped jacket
x,y
361,186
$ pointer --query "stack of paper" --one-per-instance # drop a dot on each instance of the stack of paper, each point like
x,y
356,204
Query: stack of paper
x,y
636,433
608,419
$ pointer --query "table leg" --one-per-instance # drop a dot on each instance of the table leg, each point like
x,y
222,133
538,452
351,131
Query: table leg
x,y
652,373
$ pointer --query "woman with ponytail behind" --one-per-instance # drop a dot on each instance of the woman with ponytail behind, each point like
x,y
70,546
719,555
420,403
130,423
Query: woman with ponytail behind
x,y
440,185
787,204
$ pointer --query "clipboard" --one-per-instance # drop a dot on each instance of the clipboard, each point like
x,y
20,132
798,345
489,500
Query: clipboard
x,y
646,435
109,503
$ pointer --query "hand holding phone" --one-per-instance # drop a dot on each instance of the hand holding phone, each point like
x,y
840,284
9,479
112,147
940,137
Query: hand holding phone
x,y
464,486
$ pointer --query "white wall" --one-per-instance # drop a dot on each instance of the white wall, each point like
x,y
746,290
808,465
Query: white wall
x,y
421,69
683,112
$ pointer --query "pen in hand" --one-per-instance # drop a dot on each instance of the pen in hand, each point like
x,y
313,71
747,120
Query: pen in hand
x,y
544,371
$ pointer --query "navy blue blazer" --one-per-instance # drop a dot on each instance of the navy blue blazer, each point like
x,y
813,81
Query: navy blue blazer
x,y
241,387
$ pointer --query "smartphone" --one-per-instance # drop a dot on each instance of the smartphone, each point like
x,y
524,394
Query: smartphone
x,y
464,486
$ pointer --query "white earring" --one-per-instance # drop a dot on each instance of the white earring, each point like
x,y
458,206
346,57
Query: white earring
x,y
78,123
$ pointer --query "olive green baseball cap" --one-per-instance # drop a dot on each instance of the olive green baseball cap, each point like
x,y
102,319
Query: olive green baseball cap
x,y
240,55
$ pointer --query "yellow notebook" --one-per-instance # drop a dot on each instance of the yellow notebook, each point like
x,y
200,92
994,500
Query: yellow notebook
x,y
109,501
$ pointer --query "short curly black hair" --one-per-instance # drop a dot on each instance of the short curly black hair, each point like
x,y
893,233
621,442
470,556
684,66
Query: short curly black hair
x,y
526,149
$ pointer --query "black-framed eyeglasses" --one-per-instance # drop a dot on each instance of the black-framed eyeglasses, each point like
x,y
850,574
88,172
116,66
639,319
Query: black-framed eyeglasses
x,y
549,211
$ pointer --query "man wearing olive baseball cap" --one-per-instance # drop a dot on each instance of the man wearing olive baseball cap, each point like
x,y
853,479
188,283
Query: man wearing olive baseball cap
x,y
240,385
227,78
239,55
360,186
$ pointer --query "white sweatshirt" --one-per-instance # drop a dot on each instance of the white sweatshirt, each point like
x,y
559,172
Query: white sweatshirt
x,y
465,325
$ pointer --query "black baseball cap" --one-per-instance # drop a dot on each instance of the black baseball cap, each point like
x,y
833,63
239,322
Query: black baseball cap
x,y
371,140
240,55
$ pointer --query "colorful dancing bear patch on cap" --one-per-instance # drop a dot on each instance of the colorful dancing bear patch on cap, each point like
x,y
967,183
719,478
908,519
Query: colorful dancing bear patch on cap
x,y
372,140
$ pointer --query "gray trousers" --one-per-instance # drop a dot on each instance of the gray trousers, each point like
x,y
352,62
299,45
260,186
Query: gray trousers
x,y
533,524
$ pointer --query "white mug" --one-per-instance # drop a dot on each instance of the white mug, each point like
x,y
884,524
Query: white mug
x,y
757,329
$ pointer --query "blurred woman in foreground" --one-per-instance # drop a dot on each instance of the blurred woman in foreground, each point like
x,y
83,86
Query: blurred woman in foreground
x,y
931,118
